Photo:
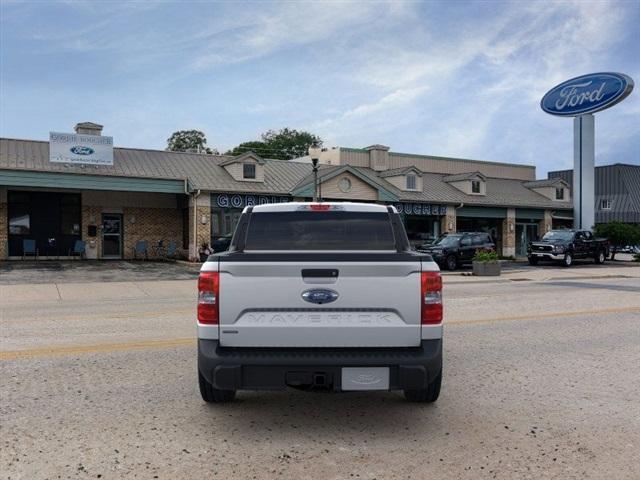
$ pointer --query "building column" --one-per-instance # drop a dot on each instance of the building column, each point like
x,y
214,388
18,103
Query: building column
x,y
545,224
448,222
91,217
201,223
4,227
509,234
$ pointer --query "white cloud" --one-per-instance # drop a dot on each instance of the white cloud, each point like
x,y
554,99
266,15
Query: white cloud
x,y
483,80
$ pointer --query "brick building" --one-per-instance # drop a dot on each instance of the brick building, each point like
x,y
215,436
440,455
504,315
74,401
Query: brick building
x,y
190,199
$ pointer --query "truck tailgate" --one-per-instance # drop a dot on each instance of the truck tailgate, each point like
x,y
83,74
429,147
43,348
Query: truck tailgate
x,y
377,304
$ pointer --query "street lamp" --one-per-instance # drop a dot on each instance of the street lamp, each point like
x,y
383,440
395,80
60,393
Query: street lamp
x,y
314,153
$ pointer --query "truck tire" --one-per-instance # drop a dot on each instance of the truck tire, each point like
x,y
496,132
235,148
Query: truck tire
x,y
213,395
600,257
533,260
427,395
451,262
568,260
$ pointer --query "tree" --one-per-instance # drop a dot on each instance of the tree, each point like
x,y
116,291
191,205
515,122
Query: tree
x,y
284,144
619,234
188,141
288,144
257,147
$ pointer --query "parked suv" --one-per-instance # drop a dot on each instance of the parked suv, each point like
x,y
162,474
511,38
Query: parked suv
x,y
320,296
455,249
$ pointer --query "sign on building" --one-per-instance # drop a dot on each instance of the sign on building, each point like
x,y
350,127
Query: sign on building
x,y
80,149
420,209
240,201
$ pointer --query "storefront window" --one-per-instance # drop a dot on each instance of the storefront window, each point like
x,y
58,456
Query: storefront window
x,y
422,229
19,220
52,219
19,217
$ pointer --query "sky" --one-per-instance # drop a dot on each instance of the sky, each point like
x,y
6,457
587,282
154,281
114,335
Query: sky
x,y
448,78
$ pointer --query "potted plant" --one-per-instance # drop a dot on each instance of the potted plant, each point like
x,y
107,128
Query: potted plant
x,y
486,264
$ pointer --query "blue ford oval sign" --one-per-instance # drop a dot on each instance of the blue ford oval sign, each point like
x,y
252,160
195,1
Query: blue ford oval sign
x,y
319,296
587,94
79,150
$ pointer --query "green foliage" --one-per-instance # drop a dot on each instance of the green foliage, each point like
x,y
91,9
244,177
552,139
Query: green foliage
x,y
259,148
284,144
188,141
619,234
636,257
484,256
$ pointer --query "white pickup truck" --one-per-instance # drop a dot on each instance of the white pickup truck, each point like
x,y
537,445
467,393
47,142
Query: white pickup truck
x,y
320,296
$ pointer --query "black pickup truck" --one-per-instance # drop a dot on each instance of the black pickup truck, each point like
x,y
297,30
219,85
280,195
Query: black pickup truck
x,y
565,246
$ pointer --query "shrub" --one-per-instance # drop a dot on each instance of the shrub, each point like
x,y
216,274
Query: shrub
x,y
482,256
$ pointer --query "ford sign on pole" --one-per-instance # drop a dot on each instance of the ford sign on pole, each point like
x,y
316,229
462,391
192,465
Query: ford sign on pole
x,y
587,94
580,97
76,148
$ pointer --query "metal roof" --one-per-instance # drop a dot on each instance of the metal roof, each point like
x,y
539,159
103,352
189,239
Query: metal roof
x,y
463,176
547,182
282,177
203,171
392,172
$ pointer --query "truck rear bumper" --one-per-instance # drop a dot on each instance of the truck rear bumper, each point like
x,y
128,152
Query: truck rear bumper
x,y
410,368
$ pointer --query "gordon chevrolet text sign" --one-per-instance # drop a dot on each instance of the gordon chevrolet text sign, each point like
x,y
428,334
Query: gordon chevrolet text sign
x,y
224,200
85,149
587,94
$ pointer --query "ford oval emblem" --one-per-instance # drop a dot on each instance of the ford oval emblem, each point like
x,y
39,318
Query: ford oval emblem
x,y
587,94
79,150
319,296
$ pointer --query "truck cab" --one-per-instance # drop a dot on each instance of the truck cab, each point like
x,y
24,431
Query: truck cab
x,y
320,296
564,246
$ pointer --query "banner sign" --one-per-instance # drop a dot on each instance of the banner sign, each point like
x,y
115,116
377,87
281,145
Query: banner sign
x,y
587,94
240,201
420,209
80,149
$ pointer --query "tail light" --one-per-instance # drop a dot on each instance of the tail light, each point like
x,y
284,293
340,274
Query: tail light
x,y
209,298
431,298
319,207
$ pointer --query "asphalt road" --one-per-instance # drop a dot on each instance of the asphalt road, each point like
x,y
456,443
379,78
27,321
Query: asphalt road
x,y
542,380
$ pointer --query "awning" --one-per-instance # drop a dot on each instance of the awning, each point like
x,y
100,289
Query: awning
x,y
29,178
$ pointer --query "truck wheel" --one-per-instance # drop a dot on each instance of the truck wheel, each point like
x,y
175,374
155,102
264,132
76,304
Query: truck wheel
x,y
213,395
427,395
451,262
568,260
533,261
600,257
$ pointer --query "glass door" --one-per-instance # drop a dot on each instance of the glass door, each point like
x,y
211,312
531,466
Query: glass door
x,y
525,233
111,235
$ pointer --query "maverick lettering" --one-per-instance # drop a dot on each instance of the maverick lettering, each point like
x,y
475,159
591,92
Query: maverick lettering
x,y
569,95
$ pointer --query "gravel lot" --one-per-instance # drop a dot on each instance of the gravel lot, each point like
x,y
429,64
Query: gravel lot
x,y
541,381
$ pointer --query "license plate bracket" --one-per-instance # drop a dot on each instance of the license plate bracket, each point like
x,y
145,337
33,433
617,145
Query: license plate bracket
x,y
365,378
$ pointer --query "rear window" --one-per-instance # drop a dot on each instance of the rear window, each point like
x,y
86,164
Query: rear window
x,y
320,231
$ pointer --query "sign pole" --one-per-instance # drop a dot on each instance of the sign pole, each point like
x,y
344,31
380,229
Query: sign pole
x,y
583,171
579,98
